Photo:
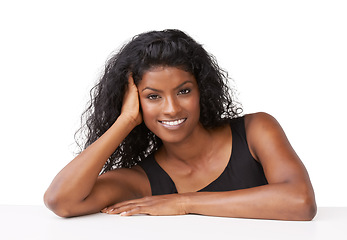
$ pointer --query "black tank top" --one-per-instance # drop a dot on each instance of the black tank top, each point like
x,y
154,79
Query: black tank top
x,y
242,171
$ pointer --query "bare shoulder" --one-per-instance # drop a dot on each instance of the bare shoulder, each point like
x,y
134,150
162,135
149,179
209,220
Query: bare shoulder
x,y
258,124
264,133
270,146
259,121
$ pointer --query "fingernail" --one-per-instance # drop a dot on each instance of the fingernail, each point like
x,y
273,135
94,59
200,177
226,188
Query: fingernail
x,y
123,213
109,211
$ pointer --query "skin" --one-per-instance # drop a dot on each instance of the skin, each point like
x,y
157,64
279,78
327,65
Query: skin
x,y
168,94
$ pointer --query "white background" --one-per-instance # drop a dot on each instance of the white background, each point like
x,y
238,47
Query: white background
x,y
288,58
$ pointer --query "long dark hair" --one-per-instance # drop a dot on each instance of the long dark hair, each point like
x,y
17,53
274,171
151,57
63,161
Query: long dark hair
x,y
171,48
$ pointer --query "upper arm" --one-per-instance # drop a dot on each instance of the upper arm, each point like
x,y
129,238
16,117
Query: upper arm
x,y
270,146
114,186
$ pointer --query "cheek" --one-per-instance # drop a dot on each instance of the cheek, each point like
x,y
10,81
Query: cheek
x,y
193,106
196,110
148,112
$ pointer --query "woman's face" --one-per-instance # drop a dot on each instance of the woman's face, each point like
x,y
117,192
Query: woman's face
x,y
170,99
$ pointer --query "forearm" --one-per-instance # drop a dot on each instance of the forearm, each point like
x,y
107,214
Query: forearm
x,y
75,181
282,201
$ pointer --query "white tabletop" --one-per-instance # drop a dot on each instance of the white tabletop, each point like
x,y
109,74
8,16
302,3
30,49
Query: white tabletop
x,y
37,222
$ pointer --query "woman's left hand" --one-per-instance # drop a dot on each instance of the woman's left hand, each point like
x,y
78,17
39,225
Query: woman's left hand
x,y
171,204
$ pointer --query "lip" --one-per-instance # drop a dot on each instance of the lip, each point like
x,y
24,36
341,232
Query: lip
x,y
173,124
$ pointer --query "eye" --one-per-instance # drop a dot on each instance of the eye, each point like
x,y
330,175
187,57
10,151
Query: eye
x,y
184,91
153,96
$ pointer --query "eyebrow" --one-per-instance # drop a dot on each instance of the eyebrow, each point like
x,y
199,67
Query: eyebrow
x,y
156,90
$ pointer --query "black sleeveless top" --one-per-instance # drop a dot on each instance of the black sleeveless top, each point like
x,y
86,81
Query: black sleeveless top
x,y
242,171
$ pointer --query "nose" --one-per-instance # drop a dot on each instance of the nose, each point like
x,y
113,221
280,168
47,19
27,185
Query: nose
x,y
171,106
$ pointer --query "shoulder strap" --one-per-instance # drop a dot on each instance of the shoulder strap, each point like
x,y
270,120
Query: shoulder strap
x,y
160,181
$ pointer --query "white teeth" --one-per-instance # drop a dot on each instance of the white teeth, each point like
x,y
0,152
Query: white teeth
x,y
174,123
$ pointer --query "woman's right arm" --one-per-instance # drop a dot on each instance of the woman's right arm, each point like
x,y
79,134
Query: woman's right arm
x,y
78,189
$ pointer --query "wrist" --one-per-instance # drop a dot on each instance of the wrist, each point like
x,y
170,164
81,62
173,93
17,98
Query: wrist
x,y
127,120
186,202
121,127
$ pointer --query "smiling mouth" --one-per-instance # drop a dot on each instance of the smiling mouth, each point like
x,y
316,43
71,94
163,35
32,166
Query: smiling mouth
x,y
174,122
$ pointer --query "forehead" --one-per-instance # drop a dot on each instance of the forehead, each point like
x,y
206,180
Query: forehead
x,y
165,77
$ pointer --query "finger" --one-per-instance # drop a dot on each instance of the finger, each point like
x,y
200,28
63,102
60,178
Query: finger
x,y
104,210
119,205
121,209
138,201
122,206
131,81
110,209
130,78
133,211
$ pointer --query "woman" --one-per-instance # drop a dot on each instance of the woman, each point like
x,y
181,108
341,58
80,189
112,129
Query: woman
x,y
167,136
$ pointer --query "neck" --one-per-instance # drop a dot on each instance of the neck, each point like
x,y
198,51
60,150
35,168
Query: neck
x,y
190,151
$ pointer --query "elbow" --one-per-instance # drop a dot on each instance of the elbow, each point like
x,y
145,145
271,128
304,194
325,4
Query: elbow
x,y
306,208
57,205
309,210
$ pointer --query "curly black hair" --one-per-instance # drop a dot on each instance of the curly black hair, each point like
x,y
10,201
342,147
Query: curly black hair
x,y
172,48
